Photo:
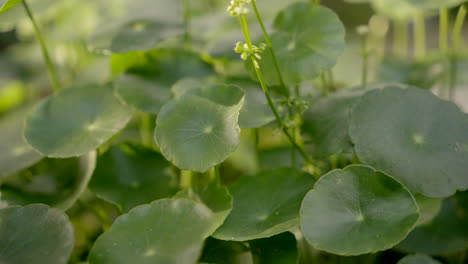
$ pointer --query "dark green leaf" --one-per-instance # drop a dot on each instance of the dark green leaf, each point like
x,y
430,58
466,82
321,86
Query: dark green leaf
x,y
423,74
356,211
214,196
34,234
414,136
130,175
166,231
418,259
200,130
265,204
75,121
326,124
225,252
279,249
446,233
16,154
146,95
55,182
308,39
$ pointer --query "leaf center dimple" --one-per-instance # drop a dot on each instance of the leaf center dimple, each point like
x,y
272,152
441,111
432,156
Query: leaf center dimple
x,y
208,129
418,139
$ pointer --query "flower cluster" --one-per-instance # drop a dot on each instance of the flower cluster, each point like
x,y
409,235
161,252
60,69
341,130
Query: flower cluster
x,y
245,51
238,7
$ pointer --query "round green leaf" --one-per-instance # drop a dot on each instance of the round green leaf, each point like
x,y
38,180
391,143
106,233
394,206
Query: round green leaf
x,y
55,182
214,196
34,234
5,5
265,204
447,233
279,249
418,259
308,39
411,134
166,231
326,124
146,95
16,154
200,130
75,121
356,211
130,175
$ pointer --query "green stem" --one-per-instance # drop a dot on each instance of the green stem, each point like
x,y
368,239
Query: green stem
x,y
400,44
270,48
186,179
457,29
453,76
146,129
248,40
443,29
45,52
420,36
323,79
365,60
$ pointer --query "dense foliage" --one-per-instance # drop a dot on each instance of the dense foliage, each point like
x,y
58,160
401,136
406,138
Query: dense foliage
x,y
132,132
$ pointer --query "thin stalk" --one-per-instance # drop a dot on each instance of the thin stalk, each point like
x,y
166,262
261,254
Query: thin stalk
x,y
146,129
248,40
443,29
420,36
323,79
270,48
457,29
186,17
453,76
365,60
457,44
45,51
186,179
400,45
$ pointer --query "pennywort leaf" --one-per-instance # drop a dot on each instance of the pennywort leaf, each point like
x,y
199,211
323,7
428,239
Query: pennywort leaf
x,y
414,136
356,211
165,231
200,130
75,121
35,234
265,204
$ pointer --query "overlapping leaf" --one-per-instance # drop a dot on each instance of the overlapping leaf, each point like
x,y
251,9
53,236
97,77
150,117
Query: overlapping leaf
x,y
16,154
35,234
308,39
55,182
446,233
166,231
265,204
326,123
418,259
130,175
76,121
414,136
